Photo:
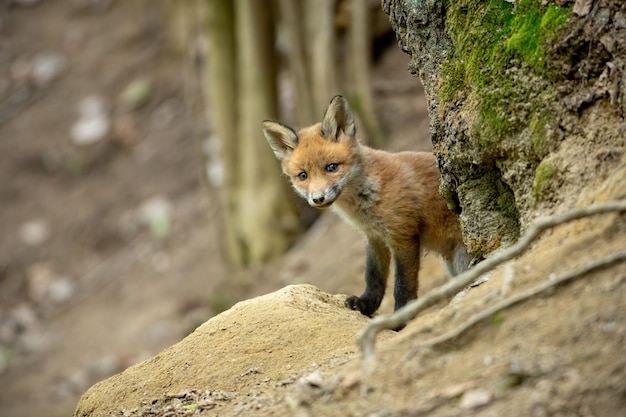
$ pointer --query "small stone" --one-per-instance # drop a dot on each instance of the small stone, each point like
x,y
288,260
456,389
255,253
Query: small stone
x,y
155,213
475,398
34,232
93,123
314,379
61,290
47,67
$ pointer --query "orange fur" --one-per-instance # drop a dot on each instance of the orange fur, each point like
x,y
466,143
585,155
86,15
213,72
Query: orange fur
x,y
393,198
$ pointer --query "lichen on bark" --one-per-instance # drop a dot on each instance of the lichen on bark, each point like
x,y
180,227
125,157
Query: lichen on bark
x,y
506,86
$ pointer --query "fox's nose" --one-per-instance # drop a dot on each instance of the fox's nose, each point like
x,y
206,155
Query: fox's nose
x,y
318,200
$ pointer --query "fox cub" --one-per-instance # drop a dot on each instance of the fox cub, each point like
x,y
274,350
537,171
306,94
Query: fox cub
x,y
392,198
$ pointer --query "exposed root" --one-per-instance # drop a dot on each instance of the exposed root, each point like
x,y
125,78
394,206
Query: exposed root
x,y
401,317
522,296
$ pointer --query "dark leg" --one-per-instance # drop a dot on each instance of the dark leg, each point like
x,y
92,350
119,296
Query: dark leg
x,y
376,272
407,263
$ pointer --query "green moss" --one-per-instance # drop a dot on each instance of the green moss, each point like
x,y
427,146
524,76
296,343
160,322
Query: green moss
x,y
454,73
489,38
532,26
498,318
449,197
525,36
543,174
538,141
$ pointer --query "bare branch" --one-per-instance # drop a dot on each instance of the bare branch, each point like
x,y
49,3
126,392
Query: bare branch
x,y
402,316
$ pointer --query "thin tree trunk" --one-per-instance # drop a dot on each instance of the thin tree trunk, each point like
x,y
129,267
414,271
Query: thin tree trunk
x,y
267,217
322,48
291,13
360,61
221,86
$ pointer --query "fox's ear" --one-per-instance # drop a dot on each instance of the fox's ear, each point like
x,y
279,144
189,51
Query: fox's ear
x,y
338,118
282,139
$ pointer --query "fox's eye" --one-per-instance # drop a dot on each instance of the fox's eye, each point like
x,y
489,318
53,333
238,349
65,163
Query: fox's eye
x,y
303,176
332,167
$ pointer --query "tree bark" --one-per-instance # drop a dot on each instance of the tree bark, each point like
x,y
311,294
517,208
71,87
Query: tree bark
x,y
514,93
322,48
258,216
298,62
221,95
360,62
267,220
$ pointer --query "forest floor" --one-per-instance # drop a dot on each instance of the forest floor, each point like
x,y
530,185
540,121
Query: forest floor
x,y
90,283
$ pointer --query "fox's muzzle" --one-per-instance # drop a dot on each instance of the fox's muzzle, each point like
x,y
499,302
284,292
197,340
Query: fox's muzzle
x,y
325,199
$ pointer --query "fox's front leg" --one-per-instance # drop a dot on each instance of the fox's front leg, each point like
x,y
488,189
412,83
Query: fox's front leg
x,y
407,263
376,272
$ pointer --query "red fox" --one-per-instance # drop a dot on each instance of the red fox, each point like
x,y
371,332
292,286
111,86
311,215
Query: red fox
x,y
392,198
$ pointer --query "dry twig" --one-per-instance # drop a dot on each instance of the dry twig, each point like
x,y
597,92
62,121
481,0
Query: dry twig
x,y
402,316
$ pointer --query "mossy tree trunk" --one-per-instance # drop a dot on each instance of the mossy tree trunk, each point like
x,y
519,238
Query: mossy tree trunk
x,y
515,91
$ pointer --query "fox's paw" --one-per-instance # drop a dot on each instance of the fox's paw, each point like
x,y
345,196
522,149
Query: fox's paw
x,y
358,304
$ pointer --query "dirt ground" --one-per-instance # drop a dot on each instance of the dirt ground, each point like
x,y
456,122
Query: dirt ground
x,y
89,285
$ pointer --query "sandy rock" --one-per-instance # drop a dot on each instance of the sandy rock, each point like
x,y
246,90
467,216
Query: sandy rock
x,y
278,335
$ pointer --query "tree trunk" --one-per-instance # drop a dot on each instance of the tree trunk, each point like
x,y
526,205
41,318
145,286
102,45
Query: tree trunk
x,y
267,219
221,94
360,61
258,216
298,62
515,92
322,48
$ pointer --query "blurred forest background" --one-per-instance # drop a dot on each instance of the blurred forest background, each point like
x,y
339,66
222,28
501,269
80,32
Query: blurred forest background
x,y
138,195
246,50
